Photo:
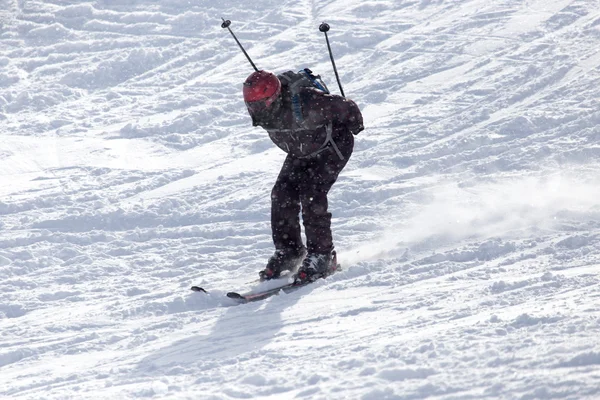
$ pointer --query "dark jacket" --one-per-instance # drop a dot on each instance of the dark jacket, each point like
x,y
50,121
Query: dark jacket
x,y
321,113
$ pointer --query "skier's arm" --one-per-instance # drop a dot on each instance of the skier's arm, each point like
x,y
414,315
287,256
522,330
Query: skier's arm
x,y
336,109
348,113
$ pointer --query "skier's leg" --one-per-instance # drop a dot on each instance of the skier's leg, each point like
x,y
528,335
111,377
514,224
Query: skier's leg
x,y
285,223
321,173
285,207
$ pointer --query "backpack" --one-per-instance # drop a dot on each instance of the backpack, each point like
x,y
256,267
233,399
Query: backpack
x,y
297,80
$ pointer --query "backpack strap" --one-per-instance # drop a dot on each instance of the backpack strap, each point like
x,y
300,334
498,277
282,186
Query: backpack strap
x,y
315,80
329,141
297,109
295,82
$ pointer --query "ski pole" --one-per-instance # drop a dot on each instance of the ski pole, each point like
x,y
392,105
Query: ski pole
x,y
325,28
226,24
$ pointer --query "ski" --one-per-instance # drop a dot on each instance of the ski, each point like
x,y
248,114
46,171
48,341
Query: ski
x,y
283,278
250,297
289,287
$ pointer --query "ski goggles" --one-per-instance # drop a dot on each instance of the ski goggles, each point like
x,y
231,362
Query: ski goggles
x,y
261,106
258,107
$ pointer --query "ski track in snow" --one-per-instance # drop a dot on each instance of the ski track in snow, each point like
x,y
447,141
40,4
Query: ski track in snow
x,y
467,221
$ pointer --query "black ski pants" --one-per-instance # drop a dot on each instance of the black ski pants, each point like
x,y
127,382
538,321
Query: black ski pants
x,y
303,184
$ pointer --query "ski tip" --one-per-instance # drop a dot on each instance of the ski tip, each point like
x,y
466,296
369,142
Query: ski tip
x,y
234,295
198,289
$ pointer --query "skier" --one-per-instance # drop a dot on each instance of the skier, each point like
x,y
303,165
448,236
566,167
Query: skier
x,y
318,143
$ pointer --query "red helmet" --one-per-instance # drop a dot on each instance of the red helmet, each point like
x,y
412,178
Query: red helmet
x,y
261,89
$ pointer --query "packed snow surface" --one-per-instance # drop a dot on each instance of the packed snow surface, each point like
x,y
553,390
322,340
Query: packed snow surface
x,y
467,221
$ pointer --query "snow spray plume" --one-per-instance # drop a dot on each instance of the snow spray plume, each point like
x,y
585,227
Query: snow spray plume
x,y
508,209
226,24
325,28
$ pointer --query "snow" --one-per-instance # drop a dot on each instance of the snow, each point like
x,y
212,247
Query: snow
x,y
467,221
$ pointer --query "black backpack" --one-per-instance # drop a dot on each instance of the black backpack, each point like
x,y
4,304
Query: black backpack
x,y
297,80
305,78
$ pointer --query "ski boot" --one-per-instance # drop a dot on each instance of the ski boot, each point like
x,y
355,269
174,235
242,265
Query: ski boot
x,y
282,260
316,266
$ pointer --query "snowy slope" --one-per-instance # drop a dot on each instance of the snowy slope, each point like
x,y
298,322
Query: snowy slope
x,y
467,222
